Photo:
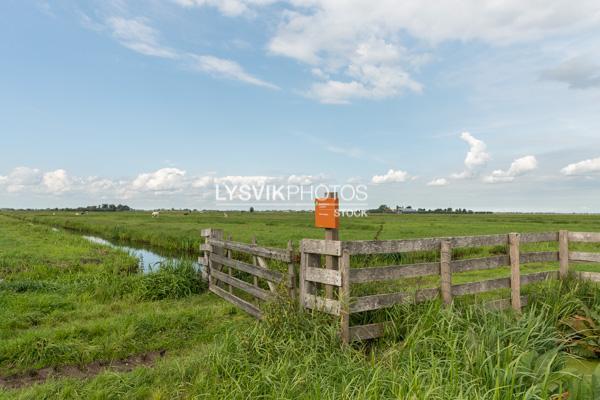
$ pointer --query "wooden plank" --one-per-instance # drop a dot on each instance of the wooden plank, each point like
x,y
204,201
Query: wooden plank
x,y
590,276
325,276
500,283
563,253
245,286
327,247
344,266
474,264
583,256
539,256
243,304
392,272
586,237
503,304
391,246
273,276
375,302
538,277
481,286
427,244
365,332
479,241
445,272
515,270
322,304
267,252
539,237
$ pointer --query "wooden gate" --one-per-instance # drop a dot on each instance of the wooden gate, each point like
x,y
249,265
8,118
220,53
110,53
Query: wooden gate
x,y
246,274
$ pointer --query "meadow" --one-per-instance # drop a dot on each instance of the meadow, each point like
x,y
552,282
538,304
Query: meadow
x,y
180,231
78,320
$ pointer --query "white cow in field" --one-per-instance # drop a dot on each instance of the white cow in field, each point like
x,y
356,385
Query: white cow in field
x,y
155,214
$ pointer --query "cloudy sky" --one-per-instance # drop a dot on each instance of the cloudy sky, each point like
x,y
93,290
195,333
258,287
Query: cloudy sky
x,y
489,105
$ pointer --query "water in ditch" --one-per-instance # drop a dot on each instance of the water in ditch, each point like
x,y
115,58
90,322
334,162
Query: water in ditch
x,y
149,260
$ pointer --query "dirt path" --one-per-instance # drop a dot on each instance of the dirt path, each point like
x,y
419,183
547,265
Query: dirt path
x,y
79,372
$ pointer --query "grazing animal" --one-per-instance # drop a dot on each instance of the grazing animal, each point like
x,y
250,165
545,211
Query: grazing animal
x,y
225,215
155,214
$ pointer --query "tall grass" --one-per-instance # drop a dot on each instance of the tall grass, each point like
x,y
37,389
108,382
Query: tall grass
x,y
444,354
429,353
172,280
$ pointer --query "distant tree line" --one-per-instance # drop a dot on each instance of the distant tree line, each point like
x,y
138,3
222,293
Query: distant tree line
x,y
385,209
100,207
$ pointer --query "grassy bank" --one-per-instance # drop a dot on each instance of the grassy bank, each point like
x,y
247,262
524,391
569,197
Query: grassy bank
x,y
65,302
69,305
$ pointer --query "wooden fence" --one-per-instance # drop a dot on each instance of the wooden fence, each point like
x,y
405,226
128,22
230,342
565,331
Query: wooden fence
x,y
318,285
240,272
244,273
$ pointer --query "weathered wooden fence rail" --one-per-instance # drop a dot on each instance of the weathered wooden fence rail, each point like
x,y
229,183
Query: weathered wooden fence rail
x,y
243,273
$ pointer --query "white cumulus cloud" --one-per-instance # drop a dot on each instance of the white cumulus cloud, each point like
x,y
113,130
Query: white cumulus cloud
x,y
304,179
392,176
477,156
164,179
438,182
22,178
57,181
518,167
582,167
257,180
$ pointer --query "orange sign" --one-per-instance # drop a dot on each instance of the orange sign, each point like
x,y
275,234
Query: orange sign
x,y
327,213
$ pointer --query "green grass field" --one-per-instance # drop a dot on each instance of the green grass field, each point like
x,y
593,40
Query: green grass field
x,y
70,308
176,231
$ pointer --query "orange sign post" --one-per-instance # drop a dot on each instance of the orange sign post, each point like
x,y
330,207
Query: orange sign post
x,y
327,216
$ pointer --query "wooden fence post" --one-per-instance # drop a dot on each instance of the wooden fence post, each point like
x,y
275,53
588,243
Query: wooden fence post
x,y
254,262
445,272
291,271
563,253
344,298
229,255
205,233
331,262
301,281
515,271
216,234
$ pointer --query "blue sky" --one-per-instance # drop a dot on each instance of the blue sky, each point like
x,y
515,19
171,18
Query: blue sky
x,y
484,105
